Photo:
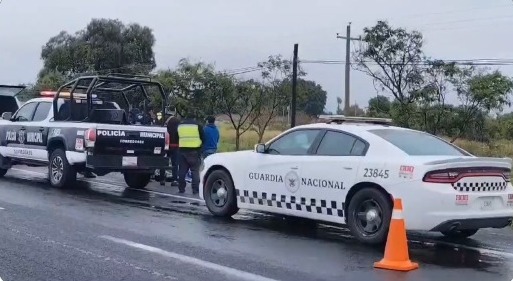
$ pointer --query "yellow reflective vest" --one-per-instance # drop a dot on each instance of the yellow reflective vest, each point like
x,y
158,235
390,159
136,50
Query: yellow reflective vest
x,y
189,136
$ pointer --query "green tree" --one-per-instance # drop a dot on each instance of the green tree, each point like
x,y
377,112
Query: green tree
x,y
392,57
104,46
379,106
479,93
274,95
339,106
433,110
239,101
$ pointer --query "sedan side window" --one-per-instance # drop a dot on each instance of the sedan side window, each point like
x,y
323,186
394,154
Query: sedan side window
x,y
25,112
296,142
340,144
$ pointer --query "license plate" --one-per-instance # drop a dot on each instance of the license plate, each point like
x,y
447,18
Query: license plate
x,y
129,161
487,204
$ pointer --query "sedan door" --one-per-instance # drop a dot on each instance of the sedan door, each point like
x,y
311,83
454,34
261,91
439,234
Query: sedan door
x,y
272,179
330,174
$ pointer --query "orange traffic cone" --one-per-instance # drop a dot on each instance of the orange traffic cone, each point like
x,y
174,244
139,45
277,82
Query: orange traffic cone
x,y
396,251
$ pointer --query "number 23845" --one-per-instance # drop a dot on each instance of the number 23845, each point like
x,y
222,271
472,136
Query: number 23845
x,y
375,173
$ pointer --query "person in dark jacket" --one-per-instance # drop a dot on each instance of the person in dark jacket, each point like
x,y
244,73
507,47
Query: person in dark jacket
x,y
211,133
190,142
172,128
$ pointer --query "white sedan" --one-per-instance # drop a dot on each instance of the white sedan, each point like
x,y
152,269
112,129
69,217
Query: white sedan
x,y
348,170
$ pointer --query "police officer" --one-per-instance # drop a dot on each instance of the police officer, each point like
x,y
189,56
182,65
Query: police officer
x,y
190,141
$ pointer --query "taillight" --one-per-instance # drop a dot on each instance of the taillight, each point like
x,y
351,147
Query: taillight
x,y
454,175
441,177
168,141
90,137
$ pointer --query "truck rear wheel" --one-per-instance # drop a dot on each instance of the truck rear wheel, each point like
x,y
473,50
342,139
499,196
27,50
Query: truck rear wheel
x,y
61,173
137,180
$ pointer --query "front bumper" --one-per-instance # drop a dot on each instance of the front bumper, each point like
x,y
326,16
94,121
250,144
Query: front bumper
x,y
123,163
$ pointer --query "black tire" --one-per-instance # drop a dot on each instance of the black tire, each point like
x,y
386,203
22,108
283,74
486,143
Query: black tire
x,y
459,234
214,197
61,173
137,180
377,204
3,172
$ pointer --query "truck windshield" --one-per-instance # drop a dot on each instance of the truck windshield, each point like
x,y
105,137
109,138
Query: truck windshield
x,y
417,143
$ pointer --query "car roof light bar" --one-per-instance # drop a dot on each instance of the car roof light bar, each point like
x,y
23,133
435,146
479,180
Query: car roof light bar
x,y
339,119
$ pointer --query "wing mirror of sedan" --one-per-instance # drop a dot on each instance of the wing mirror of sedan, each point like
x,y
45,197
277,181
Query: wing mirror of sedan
x,y
7,115
260,148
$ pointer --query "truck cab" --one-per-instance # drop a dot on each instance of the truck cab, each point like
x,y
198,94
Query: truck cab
x,y
71,132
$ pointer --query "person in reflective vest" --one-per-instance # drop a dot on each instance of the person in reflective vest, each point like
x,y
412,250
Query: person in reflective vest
x,y
190,142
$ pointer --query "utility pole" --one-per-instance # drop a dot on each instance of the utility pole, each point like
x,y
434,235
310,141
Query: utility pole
x,y
348,64
294,88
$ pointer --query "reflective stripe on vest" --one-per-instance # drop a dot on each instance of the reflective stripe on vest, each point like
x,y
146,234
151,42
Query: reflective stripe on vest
x,y
188,136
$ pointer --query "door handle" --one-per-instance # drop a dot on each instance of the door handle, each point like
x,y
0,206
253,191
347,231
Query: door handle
x,y
294,168
22,128
41,129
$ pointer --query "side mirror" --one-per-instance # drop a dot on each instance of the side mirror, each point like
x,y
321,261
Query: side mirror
x,y
7,115
260,148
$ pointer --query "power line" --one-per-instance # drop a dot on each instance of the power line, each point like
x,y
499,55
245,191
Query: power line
x,y
475,62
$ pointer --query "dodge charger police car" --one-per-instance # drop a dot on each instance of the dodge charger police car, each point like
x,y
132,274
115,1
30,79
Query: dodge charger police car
x,y
348,170
77,132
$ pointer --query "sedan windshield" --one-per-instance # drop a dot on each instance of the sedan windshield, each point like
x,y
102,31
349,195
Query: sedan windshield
x,y
418,143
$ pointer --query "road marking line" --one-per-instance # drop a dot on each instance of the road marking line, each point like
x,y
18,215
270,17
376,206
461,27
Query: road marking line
x,y
0,210
186,259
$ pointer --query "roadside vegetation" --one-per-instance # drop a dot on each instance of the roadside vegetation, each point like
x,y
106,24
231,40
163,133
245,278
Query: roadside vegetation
x,y
461,100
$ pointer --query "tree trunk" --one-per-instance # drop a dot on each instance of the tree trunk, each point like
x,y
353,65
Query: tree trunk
x,y
260,136
237,139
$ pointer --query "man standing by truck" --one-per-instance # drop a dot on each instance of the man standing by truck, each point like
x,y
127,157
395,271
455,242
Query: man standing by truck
x,y
211,137
172,128
190,141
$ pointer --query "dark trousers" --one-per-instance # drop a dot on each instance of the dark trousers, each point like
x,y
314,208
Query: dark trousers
x,y
189,159
173,154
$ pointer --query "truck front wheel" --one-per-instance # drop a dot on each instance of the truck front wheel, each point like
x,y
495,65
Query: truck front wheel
x,y
61,173
137,180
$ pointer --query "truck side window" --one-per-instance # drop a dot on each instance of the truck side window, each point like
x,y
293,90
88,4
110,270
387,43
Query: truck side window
x,y
42,111
25,112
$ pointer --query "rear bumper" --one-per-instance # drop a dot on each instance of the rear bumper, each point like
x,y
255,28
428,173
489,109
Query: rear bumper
x,y
461,224
123,163
438,207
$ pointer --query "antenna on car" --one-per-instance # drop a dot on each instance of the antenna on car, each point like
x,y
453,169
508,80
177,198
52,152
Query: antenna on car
x,y
339,119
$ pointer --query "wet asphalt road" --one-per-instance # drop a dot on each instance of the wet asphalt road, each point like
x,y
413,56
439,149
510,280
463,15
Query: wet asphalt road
x,y
102,231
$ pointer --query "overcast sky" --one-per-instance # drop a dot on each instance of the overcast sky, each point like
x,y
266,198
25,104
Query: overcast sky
x,y
239,33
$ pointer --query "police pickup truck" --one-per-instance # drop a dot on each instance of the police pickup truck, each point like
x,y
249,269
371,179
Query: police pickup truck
x,y
72,132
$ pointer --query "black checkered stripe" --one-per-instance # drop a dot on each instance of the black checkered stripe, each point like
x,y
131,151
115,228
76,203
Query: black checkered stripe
x,y
332,208
480,186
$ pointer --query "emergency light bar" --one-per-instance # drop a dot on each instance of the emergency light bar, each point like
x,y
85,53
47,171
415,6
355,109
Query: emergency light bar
x,y
52,94
351,119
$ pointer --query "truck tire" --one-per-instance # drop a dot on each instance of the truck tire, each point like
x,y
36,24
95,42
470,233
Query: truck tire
x,y
137,180
3,171
368,216
219,194
61,173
